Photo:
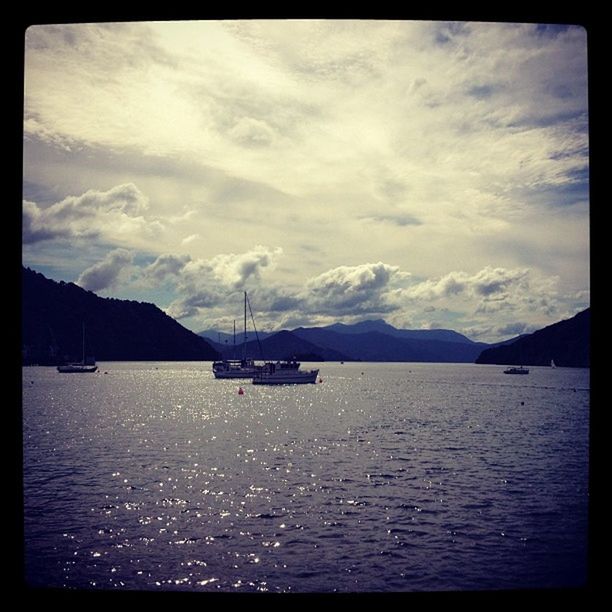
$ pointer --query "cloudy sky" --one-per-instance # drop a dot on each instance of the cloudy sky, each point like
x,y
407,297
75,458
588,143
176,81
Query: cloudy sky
x,y
433,174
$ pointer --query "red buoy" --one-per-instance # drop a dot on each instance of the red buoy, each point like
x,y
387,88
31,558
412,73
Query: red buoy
x,y
240,391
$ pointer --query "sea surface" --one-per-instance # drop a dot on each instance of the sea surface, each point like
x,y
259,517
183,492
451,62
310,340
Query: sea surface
x,y
379,478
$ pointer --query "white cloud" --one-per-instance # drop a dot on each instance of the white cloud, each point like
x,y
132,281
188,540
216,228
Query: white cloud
x,y
350,289
236,269
116,215
189,239
166,265
252,132
489,283
444,148
106,273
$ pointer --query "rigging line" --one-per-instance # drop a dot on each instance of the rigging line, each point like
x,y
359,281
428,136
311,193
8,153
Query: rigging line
x,y
255,328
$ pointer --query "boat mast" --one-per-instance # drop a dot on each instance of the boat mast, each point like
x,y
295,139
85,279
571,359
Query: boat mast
x,y
245,323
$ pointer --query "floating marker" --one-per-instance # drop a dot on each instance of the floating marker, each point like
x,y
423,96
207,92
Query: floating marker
x,y
320,380
240,391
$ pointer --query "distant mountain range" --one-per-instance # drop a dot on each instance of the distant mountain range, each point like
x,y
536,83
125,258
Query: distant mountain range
x,y
53,315
373,340
567,343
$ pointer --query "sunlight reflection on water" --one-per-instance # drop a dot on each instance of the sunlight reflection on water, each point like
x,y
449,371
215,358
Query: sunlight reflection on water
x,y
406,477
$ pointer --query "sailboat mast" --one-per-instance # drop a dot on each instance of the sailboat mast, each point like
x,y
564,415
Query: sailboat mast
x,y
245,323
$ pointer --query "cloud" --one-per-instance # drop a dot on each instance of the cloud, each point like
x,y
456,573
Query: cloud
x,y
165,266
189,239
215,282
192,304
252,132
350,289
343,138
236,269
512,329
115,215
106,273
488,283
399,219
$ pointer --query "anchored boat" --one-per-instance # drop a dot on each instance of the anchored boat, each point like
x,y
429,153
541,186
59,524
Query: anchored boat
x,y
520,370
81,367
238,368
285,372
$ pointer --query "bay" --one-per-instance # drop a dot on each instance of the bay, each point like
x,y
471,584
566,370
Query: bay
x,y
380,478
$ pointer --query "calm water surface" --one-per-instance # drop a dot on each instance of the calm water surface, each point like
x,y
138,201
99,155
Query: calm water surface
x,y
383,477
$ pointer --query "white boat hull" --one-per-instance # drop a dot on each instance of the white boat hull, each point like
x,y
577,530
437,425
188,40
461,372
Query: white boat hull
x,y
286,377
235,374
76,369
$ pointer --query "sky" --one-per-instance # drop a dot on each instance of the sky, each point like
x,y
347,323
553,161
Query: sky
x,y
433,174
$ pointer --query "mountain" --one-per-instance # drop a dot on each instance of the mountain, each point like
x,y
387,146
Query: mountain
x,y
379,346
53,314
282,345
227,340
566,342
381,326
372,340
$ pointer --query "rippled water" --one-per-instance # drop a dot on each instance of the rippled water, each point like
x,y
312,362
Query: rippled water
x,y
384,477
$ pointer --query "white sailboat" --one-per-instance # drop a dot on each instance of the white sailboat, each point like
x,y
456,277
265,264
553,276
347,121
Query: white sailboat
x,y
237,368
552,363
78,367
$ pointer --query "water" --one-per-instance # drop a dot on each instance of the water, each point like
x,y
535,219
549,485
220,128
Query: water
x,y
384,477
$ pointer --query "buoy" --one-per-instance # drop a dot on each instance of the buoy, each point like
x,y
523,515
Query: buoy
x,y
320,380
240,391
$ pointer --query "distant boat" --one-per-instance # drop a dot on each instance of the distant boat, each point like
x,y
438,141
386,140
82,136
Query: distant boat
x,y
237,368
552,363
286,372
520,370
80,367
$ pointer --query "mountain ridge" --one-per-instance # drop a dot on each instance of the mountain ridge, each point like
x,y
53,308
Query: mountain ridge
x,y
566,342
54,314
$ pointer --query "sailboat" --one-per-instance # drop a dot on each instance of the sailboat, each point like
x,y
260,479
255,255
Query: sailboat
x,y
552,363
237,368
79,367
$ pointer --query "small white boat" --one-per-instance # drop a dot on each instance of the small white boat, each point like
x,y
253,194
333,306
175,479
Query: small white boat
x,y
81,367
552,363
520,370
284,373
76,368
